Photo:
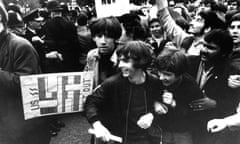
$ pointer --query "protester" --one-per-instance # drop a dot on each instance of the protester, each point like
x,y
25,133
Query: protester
x,y
218,124
18,57
202,23
105,33
211,73
233,5
178,91
123,104
158,39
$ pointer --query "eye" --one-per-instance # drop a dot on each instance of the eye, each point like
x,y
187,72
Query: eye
x,y
231,27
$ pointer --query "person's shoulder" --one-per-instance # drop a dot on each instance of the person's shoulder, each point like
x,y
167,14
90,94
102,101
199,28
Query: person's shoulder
x,y
20,45
153,80
188,81
114,79
18,40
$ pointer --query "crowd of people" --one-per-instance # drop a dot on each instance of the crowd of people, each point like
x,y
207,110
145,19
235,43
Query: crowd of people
x,y
171,77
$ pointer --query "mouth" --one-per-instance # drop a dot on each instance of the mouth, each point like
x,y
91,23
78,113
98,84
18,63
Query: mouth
x,y
204,57
165,83
104,50
125,72
235,37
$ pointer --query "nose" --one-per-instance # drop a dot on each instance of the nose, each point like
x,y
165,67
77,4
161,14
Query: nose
x,y
102,39
121,64
203,48
235,30
161,76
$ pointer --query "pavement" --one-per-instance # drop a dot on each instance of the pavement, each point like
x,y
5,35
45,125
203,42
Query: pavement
x,y
75,131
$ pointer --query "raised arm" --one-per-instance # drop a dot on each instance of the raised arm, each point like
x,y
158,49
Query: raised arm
x,y
173,31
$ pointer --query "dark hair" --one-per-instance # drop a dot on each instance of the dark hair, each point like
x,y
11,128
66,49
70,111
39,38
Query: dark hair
x,y
221,38
82,19
133,26
139,51
109,26
212,20
231,1
219,6
172,60
235,17
183,23
229,15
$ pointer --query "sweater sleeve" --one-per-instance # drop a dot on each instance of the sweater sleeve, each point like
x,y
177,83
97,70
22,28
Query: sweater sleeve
x,y
93,103
173,31
233,122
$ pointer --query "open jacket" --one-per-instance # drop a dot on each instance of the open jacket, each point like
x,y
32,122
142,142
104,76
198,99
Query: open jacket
x,y
93,64
109,103
217,89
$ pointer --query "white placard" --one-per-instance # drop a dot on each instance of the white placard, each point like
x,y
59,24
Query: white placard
x,y
105,8
55,93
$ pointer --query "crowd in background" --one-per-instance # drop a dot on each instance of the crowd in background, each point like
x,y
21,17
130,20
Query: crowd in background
x,y
187,52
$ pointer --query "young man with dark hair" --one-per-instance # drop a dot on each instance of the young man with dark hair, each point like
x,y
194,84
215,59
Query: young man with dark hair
x,y
105,33
211,72
203,22
158,39
123,104
178,91
231,121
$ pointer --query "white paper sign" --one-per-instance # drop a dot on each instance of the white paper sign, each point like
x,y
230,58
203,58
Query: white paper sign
x,y
55,93
105,8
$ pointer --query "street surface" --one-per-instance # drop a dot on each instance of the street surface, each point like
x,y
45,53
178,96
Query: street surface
x,y
75,131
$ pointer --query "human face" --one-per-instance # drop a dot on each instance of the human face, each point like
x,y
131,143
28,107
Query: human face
x,y
155,29
168,78
234,30
196,25
105,44
209,51
232,6
126,67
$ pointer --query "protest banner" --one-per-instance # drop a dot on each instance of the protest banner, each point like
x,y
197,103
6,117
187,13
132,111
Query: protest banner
x,y
55,93
105,8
